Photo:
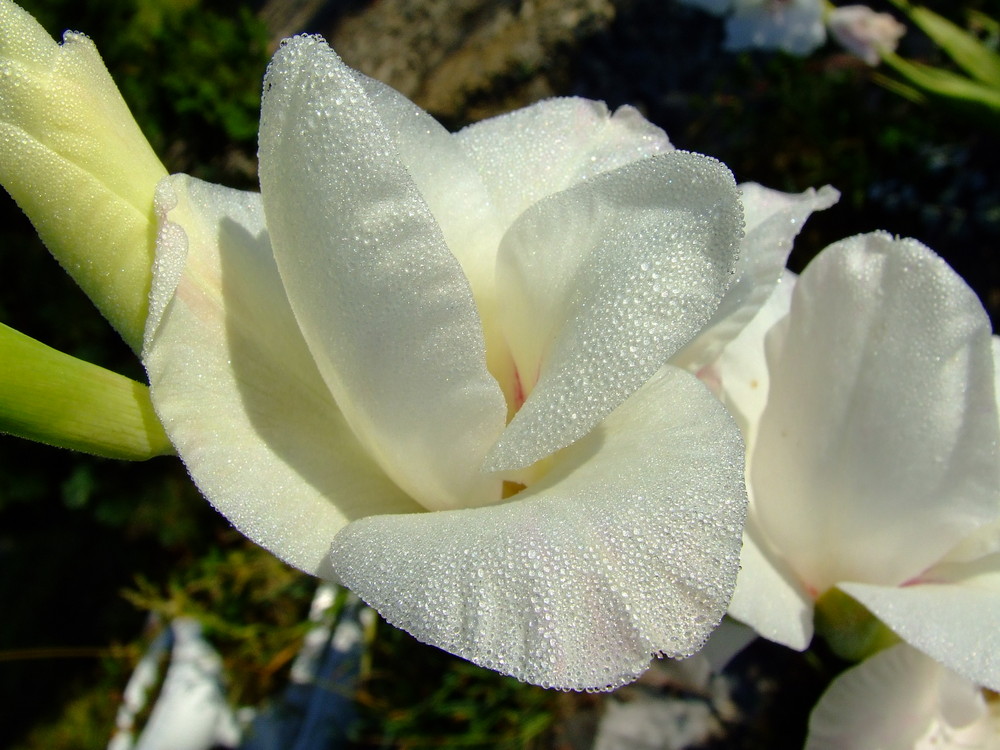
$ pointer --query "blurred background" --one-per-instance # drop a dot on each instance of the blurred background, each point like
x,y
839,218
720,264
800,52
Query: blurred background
x,y
91,548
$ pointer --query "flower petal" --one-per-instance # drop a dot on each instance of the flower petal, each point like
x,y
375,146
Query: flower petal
x,y
899,699
953,617
771,221
877,449
534,152
740,374
382,302
447,180
627,548
237,389
602,283
795,26
768,597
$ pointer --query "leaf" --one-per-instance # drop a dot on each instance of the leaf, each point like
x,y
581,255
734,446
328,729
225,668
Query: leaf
x,y
945,83
974,57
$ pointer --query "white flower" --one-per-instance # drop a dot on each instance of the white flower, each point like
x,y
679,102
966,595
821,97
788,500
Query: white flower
x,y
873,445
863,32
900,699
794,26
342,353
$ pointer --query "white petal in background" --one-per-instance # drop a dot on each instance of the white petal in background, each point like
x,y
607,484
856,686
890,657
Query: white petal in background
x,y
627,548
768,596
382,302
877,450
740,376
863,32
237,390
900,699
772,220
602,283
534,152
794,26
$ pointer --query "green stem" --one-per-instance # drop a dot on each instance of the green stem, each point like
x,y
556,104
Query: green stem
x,y
57,399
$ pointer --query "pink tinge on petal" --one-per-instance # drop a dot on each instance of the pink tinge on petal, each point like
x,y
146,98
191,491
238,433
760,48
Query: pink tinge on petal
x,y
711,377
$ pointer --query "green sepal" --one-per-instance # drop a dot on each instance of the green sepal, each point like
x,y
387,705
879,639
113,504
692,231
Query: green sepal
x,y
57,399
850,630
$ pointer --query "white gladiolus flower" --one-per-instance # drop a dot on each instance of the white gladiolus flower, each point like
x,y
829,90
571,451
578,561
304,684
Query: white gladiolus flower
x,y
794,26
433,367
900,699
873,446
863,32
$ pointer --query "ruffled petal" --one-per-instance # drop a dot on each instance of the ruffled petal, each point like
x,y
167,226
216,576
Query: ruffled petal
x,y
952,616
627,548
534,152
602,283
899,699
382,303
877,449
236,387
772,220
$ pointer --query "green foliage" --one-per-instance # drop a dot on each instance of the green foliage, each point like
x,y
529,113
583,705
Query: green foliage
x,y
252,608
977,85
418,697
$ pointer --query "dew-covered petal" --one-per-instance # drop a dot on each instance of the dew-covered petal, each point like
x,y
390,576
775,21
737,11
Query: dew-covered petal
x,y
951,614
236,387
382,303
877,449
539,150
768,597
602,283
628,547
447,180
772,220
900,699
